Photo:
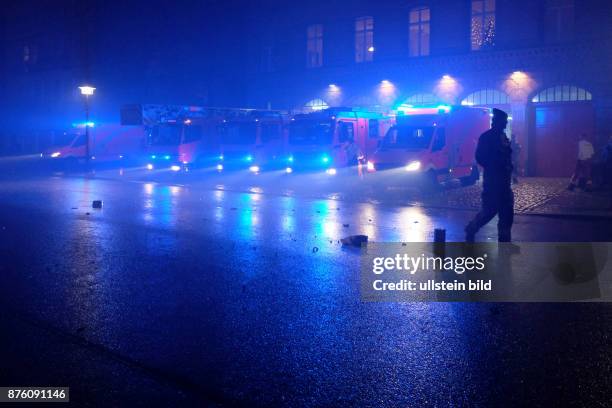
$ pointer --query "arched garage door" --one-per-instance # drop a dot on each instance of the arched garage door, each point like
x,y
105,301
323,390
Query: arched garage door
x,y
562,113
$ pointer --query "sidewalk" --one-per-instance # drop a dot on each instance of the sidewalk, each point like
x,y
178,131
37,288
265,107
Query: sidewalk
x,y
577,203
533,196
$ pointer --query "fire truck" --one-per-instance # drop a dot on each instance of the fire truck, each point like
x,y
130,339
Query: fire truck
x,y
333,138
177,137
251,139
435,143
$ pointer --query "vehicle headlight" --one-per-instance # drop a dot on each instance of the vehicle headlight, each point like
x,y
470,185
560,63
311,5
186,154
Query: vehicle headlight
x,y
413,166
56,154
370,166
254,169
219,167
331,172
175,168
289,170
149,166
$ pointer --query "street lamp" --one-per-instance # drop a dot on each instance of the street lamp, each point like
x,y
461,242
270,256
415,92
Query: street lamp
x,y
87,91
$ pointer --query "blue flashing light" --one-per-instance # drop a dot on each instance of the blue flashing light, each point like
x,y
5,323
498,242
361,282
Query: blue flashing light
x,y
325,159
84,124
153,157
290,159
167,157
445,108
249,158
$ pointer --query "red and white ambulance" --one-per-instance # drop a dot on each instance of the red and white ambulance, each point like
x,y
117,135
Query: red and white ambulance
x,y
436,143
107,143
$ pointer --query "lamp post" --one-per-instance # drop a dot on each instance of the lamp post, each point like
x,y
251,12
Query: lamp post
x,y
87,91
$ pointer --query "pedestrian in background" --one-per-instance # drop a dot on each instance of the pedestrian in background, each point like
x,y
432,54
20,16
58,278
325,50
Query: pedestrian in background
x,y
516,153
582,173
494,154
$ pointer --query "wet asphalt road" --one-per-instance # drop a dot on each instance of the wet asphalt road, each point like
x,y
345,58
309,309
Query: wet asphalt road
x,y
217,292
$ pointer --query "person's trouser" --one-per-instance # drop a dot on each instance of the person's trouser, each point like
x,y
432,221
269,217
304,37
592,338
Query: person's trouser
x,y
496,202
582,174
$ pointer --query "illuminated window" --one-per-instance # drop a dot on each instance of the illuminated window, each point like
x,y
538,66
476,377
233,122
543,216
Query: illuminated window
x,y
486,97
562,93
559,20
317,104
421,99
483,24
364,39
314,46
419,31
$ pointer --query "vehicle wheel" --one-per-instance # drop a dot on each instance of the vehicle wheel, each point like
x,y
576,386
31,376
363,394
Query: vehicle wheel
x,y
472,178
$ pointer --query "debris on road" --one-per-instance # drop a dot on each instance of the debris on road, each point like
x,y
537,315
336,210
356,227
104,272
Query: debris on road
x,y
345,225
354,240
315,250
96,204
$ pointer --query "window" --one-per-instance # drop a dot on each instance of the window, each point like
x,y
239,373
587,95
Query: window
x,y
483,24
373,129
562,93
81,140
421,99
270,132
192,133
408,137
314,46
364,39
419,31
166,135
439,140
559,20
486,97
345,132
316,105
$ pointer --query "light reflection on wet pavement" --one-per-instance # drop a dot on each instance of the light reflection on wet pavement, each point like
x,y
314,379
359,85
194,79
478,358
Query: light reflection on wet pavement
x,y
243,289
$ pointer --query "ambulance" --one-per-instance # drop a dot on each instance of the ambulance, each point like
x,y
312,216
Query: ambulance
x,y
104,143
432,144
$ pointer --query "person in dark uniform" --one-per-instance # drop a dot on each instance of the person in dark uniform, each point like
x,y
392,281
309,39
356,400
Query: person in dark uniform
x,y
494,154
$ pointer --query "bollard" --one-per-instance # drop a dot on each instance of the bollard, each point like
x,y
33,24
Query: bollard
x,y
439,235
439,246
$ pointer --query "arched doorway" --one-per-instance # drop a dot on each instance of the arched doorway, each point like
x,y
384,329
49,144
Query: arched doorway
x,y
561,114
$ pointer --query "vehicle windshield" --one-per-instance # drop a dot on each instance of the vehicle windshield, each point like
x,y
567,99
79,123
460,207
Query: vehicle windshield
x,y
310,132
78,141
239,133
408,137
193,133
166,135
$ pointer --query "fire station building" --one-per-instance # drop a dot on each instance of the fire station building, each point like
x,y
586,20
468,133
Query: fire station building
x,y
548,63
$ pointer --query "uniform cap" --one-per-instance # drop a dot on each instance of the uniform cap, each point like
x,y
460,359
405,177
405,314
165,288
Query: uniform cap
x,y
499,114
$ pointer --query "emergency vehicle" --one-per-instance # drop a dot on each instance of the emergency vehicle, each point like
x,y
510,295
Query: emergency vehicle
x,y
107,143
177,137
333,138
436,143
251,139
